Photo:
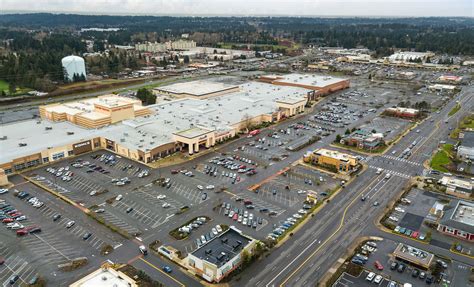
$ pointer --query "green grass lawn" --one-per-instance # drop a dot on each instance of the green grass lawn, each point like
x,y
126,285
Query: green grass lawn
x,y
454,110
3,86
441,158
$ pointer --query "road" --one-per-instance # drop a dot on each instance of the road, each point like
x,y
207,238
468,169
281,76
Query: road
x,y
304,259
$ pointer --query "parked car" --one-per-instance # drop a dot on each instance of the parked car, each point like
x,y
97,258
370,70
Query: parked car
x,y
70,224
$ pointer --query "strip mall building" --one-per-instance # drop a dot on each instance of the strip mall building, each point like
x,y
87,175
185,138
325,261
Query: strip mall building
x,y
146,134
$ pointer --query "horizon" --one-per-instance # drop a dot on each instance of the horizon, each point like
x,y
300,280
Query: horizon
x,y
247,8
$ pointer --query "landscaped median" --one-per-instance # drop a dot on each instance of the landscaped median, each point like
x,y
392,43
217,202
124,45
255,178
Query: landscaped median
x,y
454,110
183,231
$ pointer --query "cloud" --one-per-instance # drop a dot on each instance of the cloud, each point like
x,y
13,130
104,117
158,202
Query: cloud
x,y
411,8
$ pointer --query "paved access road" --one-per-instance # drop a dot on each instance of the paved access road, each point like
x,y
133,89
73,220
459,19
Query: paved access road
x,y
304,259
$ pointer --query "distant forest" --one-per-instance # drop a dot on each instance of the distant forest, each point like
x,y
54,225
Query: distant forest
x,y
33,44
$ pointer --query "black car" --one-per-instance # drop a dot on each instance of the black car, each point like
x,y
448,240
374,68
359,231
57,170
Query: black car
x,y
35,230
415,273
87,236
429,280
129,209
56,217
393,265
401,267
14,278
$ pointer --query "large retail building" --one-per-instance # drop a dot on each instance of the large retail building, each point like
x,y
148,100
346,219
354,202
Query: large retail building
x,y
322,85
187,124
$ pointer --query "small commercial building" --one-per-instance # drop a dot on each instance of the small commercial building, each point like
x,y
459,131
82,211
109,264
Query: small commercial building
x,y
221,255
413,256
457,187
322,85
363,139
450,79
332,159
442,88
95,112
458,220
400,112
465,149
105,276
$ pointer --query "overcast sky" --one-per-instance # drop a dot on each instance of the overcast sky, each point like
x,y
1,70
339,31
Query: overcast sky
x,y
409,8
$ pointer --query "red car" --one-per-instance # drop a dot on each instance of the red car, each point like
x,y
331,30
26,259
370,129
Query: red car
x,y
235,217
378,265
415,234
247,202
7,220
2,260
22,232
174,171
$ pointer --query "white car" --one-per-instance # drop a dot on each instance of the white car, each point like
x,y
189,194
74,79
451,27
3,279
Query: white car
x,y
301,191
21,218
378,279
70,224
215,231
302,211
38,204
210,186
200,187
370,276
399,209
161,196
393,218
119,197
218,228
296,215
166,205
406,200
244,221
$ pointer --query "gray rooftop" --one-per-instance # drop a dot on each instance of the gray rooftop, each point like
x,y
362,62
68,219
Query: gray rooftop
x,y
196,88
460,216
223,248
467,139
310,79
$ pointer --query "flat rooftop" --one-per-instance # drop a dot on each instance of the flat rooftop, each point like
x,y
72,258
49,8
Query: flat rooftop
x,y
223,248
413,254
464,213
150,131
87,105
38,136
306,79
105,278
196,88
334,154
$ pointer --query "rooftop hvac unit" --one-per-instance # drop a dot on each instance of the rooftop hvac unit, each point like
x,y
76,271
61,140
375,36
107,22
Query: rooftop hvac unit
x,y
142,140
140,146
152,142
122,140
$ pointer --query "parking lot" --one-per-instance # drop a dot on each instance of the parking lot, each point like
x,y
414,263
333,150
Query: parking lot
x,y
380,261
32,245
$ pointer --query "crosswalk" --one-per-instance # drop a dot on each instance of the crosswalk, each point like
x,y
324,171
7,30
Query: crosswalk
x,y
392,172
402,160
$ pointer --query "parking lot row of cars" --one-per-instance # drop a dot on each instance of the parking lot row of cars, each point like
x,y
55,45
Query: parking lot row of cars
x,y
203,239
241,215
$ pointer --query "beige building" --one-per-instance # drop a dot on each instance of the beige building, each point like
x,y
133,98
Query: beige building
x,y
188,125
220,256
95,112
340,162
105,276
